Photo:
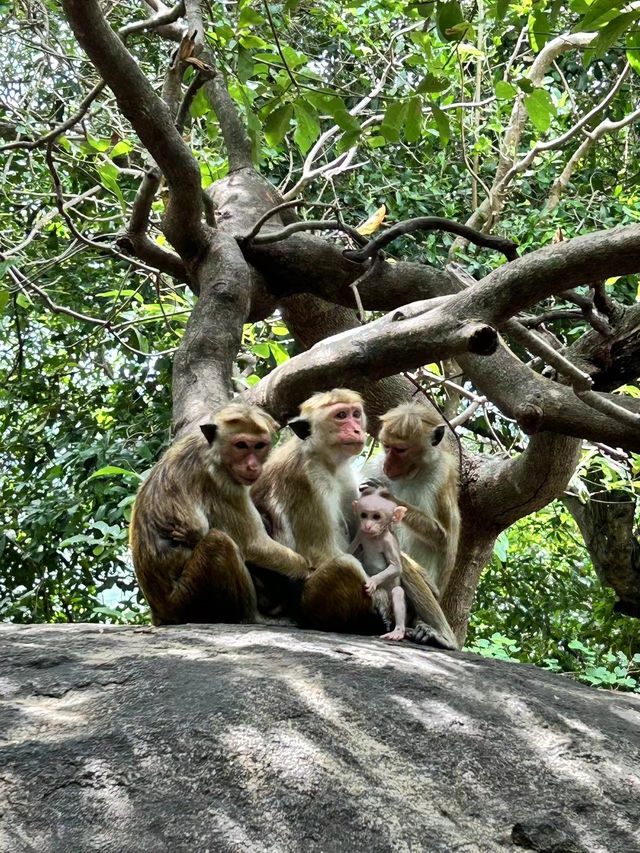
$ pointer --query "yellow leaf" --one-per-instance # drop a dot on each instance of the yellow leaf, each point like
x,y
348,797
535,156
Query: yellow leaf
x,y
371,225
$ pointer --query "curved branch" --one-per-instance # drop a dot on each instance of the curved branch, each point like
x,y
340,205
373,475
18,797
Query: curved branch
x,y
432,223
382,348
233,129
151,120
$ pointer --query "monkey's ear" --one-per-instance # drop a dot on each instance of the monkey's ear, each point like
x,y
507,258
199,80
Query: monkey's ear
x,y
398,514
437,435
301,427
209,431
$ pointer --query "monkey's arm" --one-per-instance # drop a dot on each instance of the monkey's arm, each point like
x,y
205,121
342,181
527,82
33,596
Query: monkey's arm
x,y
425,526
393,557
269,554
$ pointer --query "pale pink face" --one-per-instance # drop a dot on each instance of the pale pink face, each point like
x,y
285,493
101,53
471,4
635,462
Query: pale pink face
x,y
375,514
349,425
245,456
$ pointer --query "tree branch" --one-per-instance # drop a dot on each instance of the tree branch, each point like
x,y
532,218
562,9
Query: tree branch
x,y
232,127
151,120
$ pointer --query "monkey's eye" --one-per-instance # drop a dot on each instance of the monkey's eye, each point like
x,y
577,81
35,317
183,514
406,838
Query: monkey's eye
x,y
260,445
241,445
399,450
342,415
363,515
357,414
376,516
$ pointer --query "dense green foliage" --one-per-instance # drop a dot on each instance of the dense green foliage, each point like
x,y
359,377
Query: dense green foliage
x,y
85,392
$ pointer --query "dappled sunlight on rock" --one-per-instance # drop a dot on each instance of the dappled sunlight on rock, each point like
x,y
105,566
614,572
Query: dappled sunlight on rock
x,y
270,738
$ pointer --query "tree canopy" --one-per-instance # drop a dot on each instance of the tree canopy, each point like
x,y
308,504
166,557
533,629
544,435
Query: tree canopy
x,y
198,198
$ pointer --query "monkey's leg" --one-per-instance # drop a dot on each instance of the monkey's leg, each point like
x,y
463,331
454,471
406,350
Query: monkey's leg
x,y
431,627
214,586
399,615
333,599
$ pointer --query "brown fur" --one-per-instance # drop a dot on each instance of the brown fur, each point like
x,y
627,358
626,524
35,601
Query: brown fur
x,y
193,527
430,530
306,492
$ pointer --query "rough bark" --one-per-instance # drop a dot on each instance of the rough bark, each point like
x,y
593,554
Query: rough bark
x,y
607,524
264,739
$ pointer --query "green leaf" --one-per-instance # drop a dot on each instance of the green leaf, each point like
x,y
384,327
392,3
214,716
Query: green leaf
x,y
442,123
252,42
120,148
539,28
633,51
413,124
431,83
449,16
599,14
277,124
261,349
109,175
394,120
540,109
281,331
279,352
98,144
505,91
114,471
610,34
501,547
308,126
4,298
248,17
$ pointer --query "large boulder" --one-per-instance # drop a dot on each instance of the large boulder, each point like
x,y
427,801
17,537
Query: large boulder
x,y
244,738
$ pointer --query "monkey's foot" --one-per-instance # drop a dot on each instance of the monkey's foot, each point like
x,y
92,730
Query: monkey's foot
x,y
427,635
396,634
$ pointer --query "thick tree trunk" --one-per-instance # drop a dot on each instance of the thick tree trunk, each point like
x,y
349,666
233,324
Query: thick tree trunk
x,y
474,552
606,522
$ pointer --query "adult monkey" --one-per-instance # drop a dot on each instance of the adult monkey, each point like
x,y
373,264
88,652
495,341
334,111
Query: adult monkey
x,y
424,479
194,525
306,494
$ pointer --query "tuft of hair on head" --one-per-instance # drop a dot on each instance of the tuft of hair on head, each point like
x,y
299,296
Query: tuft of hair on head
x,y
409,422
242,417
322,399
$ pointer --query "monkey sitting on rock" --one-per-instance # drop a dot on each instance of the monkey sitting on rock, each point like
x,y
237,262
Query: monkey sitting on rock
x,y
380,554
194,527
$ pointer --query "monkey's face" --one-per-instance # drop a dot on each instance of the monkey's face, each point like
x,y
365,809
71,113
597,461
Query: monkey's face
x,y
346,424
375,513
244,456
373,524
400,459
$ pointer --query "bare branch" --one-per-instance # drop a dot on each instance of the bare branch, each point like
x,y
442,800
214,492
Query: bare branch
x,y
432,223
232,127
151,120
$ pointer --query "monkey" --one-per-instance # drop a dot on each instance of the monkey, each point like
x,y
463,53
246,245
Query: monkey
x,y
423,476
381,555
194,527
306,494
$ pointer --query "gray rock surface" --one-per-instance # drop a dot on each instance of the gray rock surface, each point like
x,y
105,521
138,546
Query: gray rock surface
x,y
243,738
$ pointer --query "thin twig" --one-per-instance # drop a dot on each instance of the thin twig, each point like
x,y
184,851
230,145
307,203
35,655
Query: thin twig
x,y
433,223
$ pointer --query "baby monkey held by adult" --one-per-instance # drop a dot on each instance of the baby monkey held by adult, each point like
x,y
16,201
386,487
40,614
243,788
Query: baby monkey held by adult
x,y
380,554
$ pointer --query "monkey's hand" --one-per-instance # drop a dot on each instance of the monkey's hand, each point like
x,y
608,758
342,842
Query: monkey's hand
x,y
180,537
374,486
370,586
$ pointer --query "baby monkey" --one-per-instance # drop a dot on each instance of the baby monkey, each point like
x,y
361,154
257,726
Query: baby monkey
x,y
381,555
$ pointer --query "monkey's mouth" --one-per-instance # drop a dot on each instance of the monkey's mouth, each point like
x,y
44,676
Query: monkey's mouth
x,y
248,481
